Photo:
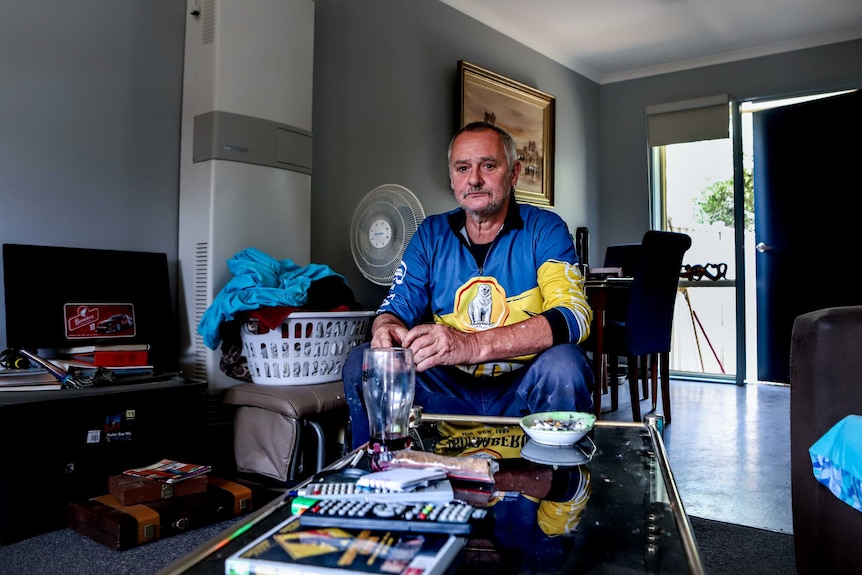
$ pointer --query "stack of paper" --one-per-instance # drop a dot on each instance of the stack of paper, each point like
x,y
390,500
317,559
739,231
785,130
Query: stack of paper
x,y
30,379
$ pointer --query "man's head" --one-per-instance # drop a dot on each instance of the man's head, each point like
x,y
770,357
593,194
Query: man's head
x,y
483,168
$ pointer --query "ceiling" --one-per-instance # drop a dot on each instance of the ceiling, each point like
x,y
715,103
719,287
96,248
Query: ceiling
x,y
614,40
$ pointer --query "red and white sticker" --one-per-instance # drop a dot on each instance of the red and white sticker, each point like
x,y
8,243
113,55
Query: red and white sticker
x,y
104,320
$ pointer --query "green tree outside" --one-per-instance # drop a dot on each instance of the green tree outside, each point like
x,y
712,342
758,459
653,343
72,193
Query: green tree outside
x,y
716,202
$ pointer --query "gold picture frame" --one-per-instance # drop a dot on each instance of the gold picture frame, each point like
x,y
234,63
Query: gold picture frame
x,y
526,113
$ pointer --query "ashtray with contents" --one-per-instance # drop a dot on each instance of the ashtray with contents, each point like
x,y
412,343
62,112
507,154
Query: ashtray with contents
x,y
557,427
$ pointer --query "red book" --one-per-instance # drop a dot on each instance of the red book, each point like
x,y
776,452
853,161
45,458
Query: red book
x,y
113,358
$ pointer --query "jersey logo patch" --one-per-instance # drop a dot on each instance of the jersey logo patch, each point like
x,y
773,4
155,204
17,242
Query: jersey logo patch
x,y
481,304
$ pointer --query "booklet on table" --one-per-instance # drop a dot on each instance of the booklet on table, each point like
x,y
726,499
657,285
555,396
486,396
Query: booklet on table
x,y
292,548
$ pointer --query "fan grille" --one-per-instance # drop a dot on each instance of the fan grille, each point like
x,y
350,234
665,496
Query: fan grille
x,y
392,208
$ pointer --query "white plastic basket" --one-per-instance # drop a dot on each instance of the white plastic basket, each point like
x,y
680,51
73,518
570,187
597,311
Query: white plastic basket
x,y
309,347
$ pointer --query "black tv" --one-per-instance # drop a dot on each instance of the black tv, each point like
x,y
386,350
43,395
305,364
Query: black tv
x,y
62,297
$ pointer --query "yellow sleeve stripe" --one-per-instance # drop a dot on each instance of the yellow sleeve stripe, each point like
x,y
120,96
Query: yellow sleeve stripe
x,y
562,285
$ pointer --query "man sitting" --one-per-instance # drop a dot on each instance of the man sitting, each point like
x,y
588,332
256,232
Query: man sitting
x,y
489,297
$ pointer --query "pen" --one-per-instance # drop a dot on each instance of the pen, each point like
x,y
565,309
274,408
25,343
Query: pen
x,y
356,458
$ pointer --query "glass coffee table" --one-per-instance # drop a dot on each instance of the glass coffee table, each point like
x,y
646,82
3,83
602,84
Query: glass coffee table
x,y
607,505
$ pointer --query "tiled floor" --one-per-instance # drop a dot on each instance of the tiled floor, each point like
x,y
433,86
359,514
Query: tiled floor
x,y
729,450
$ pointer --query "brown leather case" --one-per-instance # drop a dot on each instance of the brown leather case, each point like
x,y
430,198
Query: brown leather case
x,y
129,490
106,520
241,494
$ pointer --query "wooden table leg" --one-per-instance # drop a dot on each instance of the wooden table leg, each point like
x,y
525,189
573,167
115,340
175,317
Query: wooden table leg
x,y
665,385
599,369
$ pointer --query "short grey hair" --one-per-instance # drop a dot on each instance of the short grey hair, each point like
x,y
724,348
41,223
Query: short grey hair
x,y
508,143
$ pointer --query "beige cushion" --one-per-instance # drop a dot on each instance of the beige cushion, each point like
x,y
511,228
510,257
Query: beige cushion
x,y
264,442
294,401
267,423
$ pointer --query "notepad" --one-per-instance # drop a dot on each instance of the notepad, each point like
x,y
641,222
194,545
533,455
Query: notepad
x,y
400,479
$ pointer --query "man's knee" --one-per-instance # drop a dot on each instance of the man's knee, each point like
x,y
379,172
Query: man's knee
x,y
565,362
351,376
351,371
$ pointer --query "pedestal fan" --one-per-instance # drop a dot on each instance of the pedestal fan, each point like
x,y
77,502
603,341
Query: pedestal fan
x,y
383,223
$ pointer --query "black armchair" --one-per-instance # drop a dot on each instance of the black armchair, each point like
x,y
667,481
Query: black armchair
x,y
825,364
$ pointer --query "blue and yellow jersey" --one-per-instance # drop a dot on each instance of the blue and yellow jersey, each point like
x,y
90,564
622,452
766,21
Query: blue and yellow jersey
x,y
530,269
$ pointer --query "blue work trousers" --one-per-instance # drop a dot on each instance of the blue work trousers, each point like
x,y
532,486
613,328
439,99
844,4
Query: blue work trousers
x,y
558,379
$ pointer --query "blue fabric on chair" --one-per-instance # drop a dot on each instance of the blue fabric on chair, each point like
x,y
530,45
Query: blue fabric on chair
x,y
836,459
644,330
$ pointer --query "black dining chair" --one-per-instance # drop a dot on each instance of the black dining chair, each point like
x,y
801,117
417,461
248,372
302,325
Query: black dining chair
x,y
640,330
623,257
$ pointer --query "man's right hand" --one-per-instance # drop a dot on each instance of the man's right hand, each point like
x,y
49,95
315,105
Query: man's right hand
x,y
387,331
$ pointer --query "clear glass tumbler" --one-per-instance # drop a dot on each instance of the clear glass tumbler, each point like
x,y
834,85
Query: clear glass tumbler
x,y
388,386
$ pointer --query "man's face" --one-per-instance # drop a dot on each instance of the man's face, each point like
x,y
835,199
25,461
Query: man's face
x,y
478,172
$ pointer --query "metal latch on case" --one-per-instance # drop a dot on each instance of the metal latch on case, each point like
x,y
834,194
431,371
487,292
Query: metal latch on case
x,y
182,523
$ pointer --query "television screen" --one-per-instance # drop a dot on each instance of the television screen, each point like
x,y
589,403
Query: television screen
x,y
60,297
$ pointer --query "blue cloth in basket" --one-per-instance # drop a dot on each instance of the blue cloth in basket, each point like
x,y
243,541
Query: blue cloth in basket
x,y
837,460
259,281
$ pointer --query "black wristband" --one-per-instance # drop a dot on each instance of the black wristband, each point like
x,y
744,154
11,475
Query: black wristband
x,y
559,326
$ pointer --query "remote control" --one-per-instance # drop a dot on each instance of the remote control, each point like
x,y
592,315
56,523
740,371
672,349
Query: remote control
x,y
453,517
439,491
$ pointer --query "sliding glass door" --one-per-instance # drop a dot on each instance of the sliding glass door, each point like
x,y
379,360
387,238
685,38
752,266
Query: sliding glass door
x,y
774,200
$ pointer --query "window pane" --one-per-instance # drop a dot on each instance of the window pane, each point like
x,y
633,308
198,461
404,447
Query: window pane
x,y
698,200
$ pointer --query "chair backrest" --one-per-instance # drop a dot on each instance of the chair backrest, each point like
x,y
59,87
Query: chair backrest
x,y
623,256
653,293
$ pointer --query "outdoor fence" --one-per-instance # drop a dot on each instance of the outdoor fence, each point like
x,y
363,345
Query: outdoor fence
x,y
704,330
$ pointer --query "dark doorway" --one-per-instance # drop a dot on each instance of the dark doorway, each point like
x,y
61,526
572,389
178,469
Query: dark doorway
x,y
808,214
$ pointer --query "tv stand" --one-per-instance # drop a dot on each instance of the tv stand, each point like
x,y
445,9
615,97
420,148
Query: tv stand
x,y
61,446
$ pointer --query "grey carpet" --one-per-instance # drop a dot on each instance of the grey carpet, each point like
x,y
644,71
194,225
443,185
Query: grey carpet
x,y
70,553
725,549
736,549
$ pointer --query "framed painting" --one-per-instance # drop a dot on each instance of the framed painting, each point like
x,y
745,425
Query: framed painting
x,y
526,113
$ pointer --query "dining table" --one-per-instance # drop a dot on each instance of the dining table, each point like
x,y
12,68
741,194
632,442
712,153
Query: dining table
x,y
601,293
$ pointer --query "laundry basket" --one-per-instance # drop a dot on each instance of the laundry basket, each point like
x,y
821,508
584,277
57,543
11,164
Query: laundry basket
x,y
308,347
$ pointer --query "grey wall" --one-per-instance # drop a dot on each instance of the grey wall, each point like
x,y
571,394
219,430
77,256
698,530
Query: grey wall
x,y
385,107
90,102
624,161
